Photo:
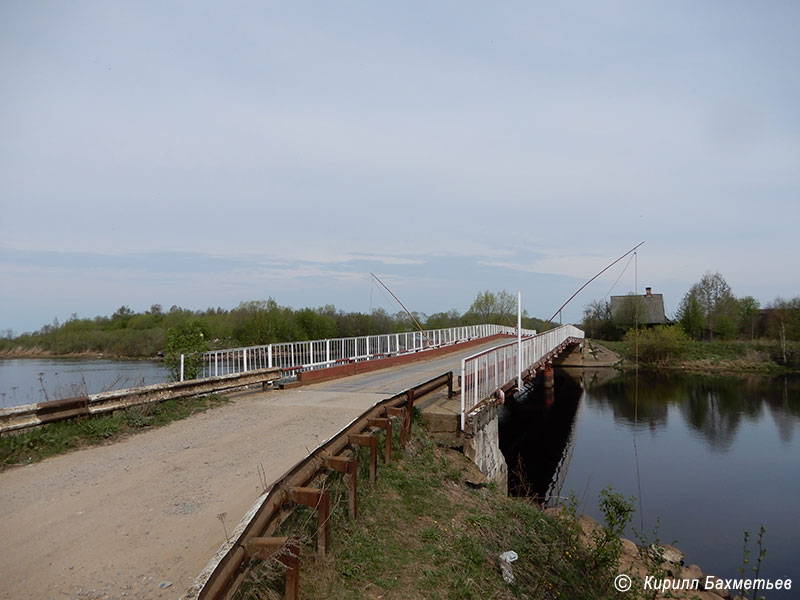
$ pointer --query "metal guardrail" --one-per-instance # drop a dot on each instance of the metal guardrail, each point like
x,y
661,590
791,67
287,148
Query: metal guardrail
x,y
292,357
253,537
484,373
18,418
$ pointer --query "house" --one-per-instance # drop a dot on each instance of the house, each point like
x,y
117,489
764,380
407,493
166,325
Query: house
x,y
652,308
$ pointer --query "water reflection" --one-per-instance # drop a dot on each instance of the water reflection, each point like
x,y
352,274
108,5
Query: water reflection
x,y
717,455
535,434
713,406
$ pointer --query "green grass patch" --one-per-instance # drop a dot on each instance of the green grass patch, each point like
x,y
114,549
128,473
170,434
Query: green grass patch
x,y
63,436
423,533
756,356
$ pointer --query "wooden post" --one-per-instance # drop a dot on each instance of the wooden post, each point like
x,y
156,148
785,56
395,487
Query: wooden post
x,y
409,410
284,550
348,466
400,413
320,500
385,424
371,442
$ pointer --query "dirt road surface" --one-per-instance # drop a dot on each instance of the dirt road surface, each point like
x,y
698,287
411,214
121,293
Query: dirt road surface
x,y
141,517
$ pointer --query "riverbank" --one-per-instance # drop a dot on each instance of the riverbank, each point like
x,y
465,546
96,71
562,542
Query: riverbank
x,y
433,528
39,352
753,356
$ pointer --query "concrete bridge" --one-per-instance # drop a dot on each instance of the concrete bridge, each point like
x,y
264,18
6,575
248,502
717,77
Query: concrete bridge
x,y
142,517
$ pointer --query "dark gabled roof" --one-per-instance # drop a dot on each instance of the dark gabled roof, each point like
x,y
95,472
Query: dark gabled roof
x,y
653,307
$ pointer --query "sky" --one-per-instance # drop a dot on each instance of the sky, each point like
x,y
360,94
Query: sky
x,y
201,154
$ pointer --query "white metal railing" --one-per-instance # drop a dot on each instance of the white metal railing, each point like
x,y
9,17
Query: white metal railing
x,y
293,357
482,374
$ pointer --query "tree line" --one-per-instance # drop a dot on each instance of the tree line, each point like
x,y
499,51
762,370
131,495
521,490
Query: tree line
x,y
157,331
709,311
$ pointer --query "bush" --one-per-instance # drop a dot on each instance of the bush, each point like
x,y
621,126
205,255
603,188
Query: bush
x,y
658,345
186,338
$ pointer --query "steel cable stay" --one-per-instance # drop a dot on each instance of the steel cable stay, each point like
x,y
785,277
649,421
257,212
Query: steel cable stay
x,y
636,392
580,289
611,289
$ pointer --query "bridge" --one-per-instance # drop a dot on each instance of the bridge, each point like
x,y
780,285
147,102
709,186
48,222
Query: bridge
x,y
156,514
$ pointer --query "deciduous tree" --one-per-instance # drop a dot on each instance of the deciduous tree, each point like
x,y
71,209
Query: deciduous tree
x,y
717,305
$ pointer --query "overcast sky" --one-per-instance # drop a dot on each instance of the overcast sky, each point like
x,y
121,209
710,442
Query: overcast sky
x,y
200,154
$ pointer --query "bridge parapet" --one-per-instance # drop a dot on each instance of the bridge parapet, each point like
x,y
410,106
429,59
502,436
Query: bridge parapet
x,y
484,373
294,357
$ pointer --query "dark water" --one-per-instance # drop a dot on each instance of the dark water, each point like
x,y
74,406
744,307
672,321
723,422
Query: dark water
x,y
29,380
717,455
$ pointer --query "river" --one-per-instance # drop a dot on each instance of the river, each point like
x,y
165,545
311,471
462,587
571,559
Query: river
x,y
30,380
708,456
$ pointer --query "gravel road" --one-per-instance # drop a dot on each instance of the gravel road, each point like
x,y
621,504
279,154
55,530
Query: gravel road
x,y
141,517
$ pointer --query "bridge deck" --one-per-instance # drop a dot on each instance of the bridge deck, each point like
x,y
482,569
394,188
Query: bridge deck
x,y
121,520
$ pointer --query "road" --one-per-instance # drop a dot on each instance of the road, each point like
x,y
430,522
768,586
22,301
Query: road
x,y
141,517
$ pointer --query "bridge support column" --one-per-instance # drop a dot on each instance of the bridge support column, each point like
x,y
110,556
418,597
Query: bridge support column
x,y
482,444
547,376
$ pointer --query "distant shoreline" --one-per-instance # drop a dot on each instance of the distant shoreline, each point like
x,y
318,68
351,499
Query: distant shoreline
x,y
729,357
21,352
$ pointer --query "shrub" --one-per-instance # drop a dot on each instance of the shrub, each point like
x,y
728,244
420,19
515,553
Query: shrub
x,y
658,345
186,338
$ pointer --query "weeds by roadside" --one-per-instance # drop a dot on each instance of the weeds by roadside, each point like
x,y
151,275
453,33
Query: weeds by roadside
x,y
423,533
63,436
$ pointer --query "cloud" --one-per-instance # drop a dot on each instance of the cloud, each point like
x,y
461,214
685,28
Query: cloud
x,y
211,155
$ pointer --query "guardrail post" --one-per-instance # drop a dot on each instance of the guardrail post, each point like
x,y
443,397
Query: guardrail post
x,y
463,385
409,411
349,467
400,413
181,367
368,441
385,424
286,551
319,500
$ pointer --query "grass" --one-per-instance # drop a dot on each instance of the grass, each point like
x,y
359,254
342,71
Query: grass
x,y
423,533
756,356
63,436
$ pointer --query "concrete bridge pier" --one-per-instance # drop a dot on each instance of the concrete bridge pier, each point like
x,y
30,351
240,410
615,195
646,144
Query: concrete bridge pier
x,y
548,379
482,444
480,439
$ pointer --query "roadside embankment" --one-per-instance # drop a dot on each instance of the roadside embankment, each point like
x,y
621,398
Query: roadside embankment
x,y
590,354
433,528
